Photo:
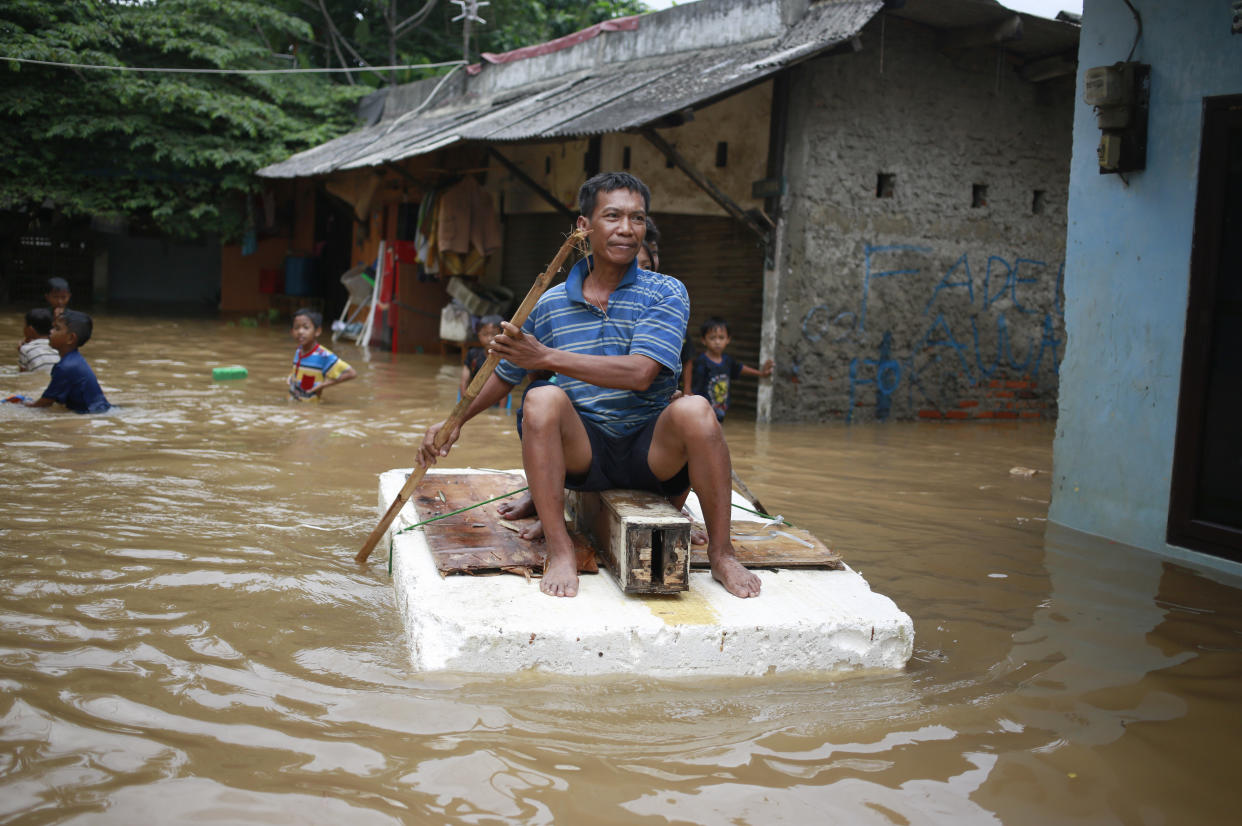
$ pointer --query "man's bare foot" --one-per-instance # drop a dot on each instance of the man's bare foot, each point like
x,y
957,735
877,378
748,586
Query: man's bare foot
x,y
732,575
698,536
560,573
522,508
519,508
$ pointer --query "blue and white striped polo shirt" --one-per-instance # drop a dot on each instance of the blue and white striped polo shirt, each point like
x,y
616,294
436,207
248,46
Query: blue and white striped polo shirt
x,y
647,315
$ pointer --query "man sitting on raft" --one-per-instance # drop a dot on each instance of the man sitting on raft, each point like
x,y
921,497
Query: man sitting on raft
x,y
612,333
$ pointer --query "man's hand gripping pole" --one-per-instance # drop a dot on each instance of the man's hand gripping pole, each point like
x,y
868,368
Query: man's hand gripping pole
x,y
458,416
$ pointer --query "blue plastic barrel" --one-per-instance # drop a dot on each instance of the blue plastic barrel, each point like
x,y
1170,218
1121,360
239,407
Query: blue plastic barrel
x,y
301,277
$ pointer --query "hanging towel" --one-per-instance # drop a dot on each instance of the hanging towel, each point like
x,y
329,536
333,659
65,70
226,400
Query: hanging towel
x,y
431,254
466,219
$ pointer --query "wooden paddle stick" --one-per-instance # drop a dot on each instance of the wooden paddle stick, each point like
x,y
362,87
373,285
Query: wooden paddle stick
x,y
458,415
745,491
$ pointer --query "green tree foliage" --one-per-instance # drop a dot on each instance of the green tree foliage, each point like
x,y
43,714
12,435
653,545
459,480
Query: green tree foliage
x,y
175,150
179,151
363,30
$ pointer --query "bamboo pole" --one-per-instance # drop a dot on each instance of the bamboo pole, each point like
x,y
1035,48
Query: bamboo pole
x,y
745,491
458,415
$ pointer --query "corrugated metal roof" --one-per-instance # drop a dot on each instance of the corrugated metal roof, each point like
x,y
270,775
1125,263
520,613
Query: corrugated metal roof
x,y
607,98
595,96
1041,37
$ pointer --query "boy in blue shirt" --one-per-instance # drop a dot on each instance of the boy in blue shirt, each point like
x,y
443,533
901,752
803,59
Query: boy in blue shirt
x,y
73,382
713,370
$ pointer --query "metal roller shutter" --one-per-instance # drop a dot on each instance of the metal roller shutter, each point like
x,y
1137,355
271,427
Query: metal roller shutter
x,y
530,242
721,264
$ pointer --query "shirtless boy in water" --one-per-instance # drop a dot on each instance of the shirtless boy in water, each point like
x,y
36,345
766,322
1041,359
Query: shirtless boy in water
x,y
607,422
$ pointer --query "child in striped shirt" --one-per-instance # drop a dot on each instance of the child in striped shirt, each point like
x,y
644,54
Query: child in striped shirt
x,y
35,354
315,368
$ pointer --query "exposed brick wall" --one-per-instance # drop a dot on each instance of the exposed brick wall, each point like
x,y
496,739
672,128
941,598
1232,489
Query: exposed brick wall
x,y
922,264
1000,399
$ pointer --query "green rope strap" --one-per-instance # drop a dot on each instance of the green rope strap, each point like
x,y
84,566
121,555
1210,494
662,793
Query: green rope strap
x,y
764,515
392,535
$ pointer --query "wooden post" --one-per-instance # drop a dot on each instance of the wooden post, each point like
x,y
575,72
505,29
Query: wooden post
x,y
532,184
642,539
717,194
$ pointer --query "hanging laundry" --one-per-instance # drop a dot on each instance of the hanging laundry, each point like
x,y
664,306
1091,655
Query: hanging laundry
x,y
430,255
467,220
423,228
472,263
250,237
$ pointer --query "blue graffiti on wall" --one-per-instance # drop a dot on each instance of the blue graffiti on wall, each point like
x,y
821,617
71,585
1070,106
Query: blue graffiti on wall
x,y
1002,280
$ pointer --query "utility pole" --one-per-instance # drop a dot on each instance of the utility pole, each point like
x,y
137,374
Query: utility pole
x,y
469,14
392,42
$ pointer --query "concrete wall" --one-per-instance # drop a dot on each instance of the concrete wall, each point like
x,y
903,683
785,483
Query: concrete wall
x,y
157,272
1128,254
920,304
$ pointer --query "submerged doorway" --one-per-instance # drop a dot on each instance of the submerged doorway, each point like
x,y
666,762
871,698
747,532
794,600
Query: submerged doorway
x,y
1205,509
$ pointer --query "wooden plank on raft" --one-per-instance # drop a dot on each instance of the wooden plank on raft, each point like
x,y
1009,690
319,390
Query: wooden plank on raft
x,y
643,541
637,534
478,541
780,546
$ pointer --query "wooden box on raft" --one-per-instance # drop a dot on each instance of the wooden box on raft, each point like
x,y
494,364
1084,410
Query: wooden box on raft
x,y
642,539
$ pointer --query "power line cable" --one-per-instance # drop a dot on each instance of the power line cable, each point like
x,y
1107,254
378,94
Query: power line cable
x,y
230,71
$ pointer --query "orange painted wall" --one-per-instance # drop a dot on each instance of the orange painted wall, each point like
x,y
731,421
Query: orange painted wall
x,y
239,274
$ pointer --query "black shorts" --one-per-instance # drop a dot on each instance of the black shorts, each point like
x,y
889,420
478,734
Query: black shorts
x,y
620,461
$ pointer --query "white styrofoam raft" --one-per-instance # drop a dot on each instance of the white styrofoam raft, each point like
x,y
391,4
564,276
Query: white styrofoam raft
x,y
804,620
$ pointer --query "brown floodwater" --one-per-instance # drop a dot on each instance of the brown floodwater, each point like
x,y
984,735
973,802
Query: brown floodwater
x,y
185,637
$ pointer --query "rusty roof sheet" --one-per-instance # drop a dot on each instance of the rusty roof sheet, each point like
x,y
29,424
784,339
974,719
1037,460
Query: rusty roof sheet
x,y
606,98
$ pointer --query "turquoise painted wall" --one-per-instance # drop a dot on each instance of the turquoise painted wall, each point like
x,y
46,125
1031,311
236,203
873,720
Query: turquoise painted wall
x,y
1127,271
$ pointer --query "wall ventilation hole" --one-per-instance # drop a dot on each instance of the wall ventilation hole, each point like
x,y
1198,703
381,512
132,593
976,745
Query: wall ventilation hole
x,y
979,195
1039,199
885,185
722,153
625,158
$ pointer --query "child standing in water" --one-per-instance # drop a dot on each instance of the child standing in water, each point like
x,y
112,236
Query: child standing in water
x,y
315,368
35,353
57,295
73,382
489,328
714,370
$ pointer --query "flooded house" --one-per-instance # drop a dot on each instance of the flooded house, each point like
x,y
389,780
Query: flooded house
x,y
1148,450
872,193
